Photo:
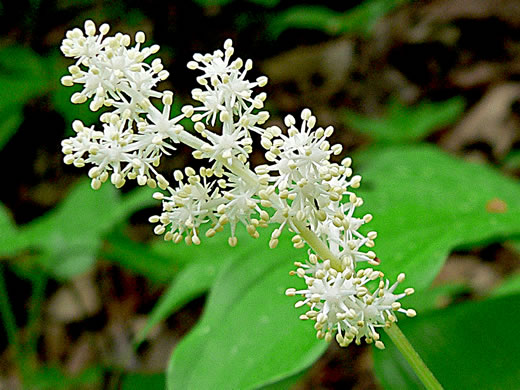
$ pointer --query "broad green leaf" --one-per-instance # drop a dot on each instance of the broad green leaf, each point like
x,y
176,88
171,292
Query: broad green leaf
x,y
142,259
286,383
509,286
191,282
250,334
357,20
69,236
467,346
200,268
403,124
425,203
434,298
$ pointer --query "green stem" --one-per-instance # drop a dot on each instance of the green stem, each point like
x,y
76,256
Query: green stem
x,y
413,358
10,322
38,295
321,249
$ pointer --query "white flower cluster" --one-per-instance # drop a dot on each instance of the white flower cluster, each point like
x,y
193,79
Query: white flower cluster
x,y
342,305
299,187
114,75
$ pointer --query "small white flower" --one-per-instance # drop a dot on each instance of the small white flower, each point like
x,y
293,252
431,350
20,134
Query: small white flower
x,y
82,47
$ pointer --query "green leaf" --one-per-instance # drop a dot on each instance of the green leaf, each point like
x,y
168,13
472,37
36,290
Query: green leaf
x,y
8,229
434,298
142,259
404,124
200,268
284,384
509,286
69,236
21,79
12,118
426,203
190,283
21,71
467,346
250,334
358,20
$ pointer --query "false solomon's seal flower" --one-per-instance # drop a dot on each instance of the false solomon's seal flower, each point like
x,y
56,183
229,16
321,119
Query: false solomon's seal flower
x,y
342,305
300,187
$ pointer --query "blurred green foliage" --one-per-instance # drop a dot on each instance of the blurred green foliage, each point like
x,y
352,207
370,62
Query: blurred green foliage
x,y
436,297
67,239
465,345
509,286
403,123
25,75
357,20
54,378
425,204
22,77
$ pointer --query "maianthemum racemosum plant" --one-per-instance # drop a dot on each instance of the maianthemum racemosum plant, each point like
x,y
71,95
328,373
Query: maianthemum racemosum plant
x,y
299,188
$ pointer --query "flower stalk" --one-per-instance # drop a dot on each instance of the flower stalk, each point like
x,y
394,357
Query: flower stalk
x,y
412,357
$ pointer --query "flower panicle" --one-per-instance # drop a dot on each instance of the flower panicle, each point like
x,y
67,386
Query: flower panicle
x,y
299,187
